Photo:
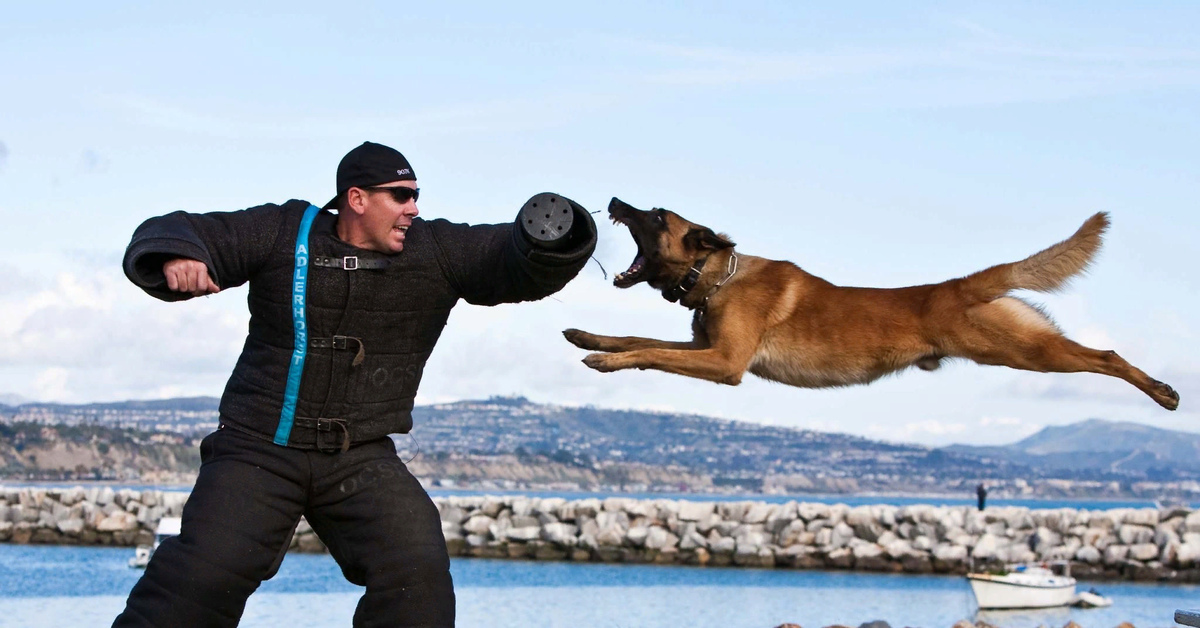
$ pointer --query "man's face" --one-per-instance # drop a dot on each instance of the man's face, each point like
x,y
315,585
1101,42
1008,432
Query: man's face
x,y
386,221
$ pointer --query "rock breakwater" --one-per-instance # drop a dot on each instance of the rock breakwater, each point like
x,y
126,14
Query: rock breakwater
x,y
1136,544
84,516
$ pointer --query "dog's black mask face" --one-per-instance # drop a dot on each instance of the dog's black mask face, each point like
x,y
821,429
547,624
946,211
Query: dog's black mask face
x,y
667,244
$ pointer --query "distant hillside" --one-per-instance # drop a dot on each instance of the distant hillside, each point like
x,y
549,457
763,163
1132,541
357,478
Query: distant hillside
x,y
188,415
730,452
1096,445
29,451
589,444
733,451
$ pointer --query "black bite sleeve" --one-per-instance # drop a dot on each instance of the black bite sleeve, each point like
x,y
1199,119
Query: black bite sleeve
x,y
492,264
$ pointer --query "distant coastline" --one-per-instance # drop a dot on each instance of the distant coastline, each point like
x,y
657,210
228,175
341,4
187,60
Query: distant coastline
x,y
511,443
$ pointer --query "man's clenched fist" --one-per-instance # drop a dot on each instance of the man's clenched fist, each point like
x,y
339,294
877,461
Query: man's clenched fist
x,y
189,275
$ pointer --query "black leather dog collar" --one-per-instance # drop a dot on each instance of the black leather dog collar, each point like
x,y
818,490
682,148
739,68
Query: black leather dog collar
x,y
685,286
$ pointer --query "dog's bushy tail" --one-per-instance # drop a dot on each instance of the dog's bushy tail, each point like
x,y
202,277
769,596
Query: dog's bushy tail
x,y
1046,271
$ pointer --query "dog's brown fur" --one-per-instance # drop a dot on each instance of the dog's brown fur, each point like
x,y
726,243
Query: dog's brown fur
x,y
783,324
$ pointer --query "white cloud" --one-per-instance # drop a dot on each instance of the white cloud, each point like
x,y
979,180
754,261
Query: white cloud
x,y
14,281
987,430
927,430
1009,421
51,384
1005,429
91,335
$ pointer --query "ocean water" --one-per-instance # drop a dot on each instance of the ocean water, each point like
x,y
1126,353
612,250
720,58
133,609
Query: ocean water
x,y
850,500
52,586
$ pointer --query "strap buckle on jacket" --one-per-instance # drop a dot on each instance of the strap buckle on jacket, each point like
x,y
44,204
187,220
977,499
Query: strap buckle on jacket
x,y
351,262
341,343
328,431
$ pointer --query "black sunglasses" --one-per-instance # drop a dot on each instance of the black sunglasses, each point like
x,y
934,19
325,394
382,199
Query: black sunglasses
x,y
400,193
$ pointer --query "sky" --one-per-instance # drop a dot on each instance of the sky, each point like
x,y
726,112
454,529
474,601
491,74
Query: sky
x,y
872,143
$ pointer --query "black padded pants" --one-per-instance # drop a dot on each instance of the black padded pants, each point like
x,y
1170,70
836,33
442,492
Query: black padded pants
x,y
372,514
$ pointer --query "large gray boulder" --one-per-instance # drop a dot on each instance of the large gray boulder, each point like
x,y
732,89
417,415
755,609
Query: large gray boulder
x,y
1088,554
562,534
691,540
986,548
1142,516
1115,554
1188,554
759,513
1143,551
660,539
1132,534
950,553
810,511
479,524
119,521
695,511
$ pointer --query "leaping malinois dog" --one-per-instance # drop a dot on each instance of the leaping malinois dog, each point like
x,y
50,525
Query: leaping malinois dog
x,y
782,324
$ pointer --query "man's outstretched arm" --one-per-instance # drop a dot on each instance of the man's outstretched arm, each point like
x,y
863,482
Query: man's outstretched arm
x,y
491,264
181,255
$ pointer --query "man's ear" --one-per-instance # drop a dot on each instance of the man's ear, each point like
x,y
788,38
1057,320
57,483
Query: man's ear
x,y
356,201
703,238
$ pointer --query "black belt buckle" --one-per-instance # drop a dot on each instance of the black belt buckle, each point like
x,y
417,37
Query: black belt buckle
x,y
340,343
332,435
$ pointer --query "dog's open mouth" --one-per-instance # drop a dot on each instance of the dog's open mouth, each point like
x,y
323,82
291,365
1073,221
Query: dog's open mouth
x,y
634,273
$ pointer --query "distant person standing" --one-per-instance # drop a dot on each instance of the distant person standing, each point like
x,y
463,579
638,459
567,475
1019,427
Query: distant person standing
x,y
981,494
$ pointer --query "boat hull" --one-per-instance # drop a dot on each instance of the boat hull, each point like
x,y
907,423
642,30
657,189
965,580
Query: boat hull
x,y
996,592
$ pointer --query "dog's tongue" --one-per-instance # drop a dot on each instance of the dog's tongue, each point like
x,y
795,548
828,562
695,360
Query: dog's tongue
x,y
634,269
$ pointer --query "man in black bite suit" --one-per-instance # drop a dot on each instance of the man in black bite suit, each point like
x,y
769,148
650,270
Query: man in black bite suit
x,y
345,309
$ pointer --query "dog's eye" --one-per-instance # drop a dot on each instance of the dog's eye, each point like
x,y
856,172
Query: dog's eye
x,y
662,219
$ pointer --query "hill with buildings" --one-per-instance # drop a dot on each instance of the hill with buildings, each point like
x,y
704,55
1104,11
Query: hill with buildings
x,y
513,442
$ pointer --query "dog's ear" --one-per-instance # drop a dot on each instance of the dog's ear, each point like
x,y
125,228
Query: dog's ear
x,y
699,238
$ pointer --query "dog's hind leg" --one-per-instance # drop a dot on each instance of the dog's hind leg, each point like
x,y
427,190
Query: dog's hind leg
x,y
594,342
1011,333
1060,355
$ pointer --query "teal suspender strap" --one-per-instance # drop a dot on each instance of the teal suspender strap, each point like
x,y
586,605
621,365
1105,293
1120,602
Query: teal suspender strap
x,y
300,325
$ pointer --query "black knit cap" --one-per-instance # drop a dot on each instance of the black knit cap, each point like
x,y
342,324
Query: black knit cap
x,y
370,164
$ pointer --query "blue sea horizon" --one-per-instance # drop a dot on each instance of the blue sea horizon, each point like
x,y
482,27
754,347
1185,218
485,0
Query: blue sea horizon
x,y
858,499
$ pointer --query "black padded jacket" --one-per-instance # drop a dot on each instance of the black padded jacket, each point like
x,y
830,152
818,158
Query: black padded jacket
x,y
370,330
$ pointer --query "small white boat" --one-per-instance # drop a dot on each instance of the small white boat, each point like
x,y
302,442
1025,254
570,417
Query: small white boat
x,y
167,527
1091,599
1024,586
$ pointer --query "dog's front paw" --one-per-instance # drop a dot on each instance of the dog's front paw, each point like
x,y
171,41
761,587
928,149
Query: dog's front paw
x,y
603,362
581,339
